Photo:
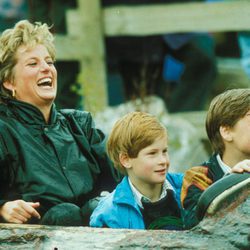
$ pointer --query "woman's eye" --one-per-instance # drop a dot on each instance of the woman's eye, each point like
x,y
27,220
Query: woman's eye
x,y
50,63
32,64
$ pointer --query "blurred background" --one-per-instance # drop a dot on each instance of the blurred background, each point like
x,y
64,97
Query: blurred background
x,y
166,57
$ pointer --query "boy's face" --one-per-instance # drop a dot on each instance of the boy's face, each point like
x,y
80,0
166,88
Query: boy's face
x,y
240,134
151,165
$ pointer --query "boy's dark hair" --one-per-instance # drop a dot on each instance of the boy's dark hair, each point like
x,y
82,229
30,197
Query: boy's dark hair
x,y
225,110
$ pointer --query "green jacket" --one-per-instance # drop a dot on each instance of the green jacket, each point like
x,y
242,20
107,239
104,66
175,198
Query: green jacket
x,y
62,161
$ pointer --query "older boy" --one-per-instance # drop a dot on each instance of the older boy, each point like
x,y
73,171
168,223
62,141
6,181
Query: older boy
x,y
147,197
228,129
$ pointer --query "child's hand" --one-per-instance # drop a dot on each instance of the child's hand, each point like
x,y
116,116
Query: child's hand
x,y
242,166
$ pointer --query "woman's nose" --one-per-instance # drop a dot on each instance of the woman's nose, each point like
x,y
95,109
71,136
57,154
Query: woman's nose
x,y
44,65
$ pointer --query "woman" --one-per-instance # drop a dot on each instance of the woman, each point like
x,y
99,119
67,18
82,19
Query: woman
x,y
52,162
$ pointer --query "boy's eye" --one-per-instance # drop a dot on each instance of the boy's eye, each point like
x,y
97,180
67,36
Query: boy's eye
x,y
151,152
165,151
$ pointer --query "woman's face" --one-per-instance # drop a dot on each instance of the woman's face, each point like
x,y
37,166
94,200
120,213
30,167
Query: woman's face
x,y
34,76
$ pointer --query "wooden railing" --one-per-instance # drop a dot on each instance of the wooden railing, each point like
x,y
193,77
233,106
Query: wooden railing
x,y
89,24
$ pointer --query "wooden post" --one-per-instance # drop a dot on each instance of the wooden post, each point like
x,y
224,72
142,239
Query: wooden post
x,y
86,33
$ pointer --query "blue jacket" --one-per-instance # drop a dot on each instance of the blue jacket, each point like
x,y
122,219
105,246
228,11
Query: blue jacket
x,y
120,210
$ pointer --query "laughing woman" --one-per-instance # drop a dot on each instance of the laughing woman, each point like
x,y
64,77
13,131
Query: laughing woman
x,y
52,162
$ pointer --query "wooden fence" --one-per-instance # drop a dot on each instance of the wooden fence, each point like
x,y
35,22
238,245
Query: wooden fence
x,y
89,24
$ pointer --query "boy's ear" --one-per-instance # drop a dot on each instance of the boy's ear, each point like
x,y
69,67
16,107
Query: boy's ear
x,y
225,132
124,160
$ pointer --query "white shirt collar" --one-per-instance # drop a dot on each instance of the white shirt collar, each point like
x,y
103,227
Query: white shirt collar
x,y
225,168
138,196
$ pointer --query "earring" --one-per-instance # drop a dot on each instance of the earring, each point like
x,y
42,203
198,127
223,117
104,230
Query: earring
x,y
13,93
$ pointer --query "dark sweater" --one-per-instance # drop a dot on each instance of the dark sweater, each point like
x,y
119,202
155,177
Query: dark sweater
x,y
163,214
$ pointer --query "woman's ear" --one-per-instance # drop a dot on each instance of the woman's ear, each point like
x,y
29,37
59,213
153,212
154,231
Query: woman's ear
x,y
124,160
225,132
8,85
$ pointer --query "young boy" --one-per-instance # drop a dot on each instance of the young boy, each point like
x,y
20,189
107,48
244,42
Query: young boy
x,y
228,129
148,197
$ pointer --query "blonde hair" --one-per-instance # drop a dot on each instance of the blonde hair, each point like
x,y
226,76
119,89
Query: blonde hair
x,y
131,134
23,33
226,109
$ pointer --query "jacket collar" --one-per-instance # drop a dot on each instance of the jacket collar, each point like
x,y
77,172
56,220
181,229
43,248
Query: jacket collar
x,y
123,194
214,167
28,113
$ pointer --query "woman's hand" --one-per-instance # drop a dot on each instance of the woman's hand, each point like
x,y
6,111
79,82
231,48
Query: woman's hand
x,y
19,211
242,166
